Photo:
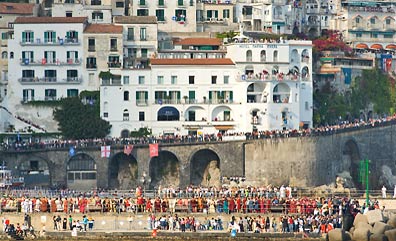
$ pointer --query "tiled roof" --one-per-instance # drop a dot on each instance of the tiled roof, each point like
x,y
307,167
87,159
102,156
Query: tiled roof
x,y
199,41
45,20
16,8
103,28
135,19
223,61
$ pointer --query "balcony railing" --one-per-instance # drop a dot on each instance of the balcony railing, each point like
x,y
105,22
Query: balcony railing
x,y
59,41
141,102
114,64
193,101
269,78
35,62
49,80
113,48
91,66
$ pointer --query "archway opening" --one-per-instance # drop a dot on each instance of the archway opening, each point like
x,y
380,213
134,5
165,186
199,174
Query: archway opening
x,y
35,173
164,170
123,172
352,159
205,168
81,172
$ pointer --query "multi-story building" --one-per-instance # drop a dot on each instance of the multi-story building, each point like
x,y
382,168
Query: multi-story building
x,y
8,13
216,16
172,16
103,51
319,15
45,64
97,11
202,86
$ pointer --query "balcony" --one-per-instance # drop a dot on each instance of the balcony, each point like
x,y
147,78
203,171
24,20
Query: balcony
x,y
114,64
91,66
268,78
142,102
36,62
59,41
91,48
49,80
113,48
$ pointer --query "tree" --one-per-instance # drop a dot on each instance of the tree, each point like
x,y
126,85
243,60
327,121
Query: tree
x,y
79,121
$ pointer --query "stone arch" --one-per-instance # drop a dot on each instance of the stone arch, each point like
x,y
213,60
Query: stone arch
x,y
313,32
351,159
35,171
81,172
164,170
249,57
205,168
123,172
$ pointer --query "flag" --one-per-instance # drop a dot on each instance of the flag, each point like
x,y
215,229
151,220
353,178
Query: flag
x,y
72,151
128,149
347,75
105,151
153,150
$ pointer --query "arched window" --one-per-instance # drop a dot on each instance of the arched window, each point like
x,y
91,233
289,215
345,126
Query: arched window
x,y
124,133
281,93
4,55
263,56
249,56
126,95
81,171
275,55
125,115
168,113
11,55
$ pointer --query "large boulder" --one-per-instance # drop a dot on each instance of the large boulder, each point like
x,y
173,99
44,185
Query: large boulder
x,y
380,228
392,220
361,234
338,234
374,216
360,218
378,237
364,226
391,234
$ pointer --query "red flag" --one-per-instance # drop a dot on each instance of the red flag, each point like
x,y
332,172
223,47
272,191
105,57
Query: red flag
x,y
153,150
128,149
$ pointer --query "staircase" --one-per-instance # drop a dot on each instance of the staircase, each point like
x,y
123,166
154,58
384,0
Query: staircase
x,y
26,121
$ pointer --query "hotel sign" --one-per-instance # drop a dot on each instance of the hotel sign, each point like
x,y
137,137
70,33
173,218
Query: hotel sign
x,y
256,46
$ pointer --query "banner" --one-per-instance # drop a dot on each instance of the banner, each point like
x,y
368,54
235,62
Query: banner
x,y
153,150
128,149
386,62
347,75
72,151
105,151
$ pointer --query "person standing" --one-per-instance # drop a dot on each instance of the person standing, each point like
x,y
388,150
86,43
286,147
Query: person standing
x,y
394,192
383,191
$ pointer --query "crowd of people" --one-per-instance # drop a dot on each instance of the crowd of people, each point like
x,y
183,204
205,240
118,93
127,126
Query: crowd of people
x,y
342,126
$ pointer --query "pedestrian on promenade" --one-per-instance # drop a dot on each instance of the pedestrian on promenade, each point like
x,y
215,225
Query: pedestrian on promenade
x,y
383,191
394,192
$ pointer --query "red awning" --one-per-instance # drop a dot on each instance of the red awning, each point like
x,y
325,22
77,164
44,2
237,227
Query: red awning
x,y
376,46
361,46
391,46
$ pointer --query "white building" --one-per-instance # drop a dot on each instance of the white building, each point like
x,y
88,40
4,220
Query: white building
x,y
45,64
204,87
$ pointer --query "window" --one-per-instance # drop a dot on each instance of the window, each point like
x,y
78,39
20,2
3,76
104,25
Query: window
x,y
160,13
212,14
27,37
141,98
11,55
50,57
96,2
91,45
130,35
214,79
275,56
180,15
113,44
388,21
142,2
126,95
226,13
69,14
114,62
249,56
306,105
50,94
72,92
125,80
4,55
143,34
105,114
180,2
358,35
173,80
72,75
226,79
71,37
374,35
144,53
142,12
161,3
125,115
27,57
72,57
4,35
91,63
141,80
191,79
160,80
97,16
49,37
119,4
28,94
141,115
385,36
372,20
50,75
191,96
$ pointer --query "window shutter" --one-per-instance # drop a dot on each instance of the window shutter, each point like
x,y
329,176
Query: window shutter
x,y
231,95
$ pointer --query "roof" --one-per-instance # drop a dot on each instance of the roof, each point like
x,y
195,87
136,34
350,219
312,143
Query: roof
x,y
199,41
16,8
135,19
224,61
103,28
46,20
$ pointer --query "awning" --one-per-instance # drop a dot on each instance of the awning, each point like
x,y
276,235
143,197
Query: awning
x,y
223,127
391,46
376,46
361,46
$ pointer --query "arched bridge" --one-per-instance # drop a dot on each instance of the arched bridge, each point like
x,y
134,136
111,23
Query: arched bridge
x,y
299,161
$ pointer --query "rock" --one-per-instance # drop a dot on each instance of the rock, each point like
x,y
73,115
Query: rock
x,y
391,234
392,220
211,176
338,234
361,234
378,237
360,218
374,216
362,225
380,228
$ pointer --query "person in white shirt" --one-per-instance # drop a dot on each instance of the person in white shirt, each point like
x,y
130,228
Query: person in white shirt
x,y
383,191
394,192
